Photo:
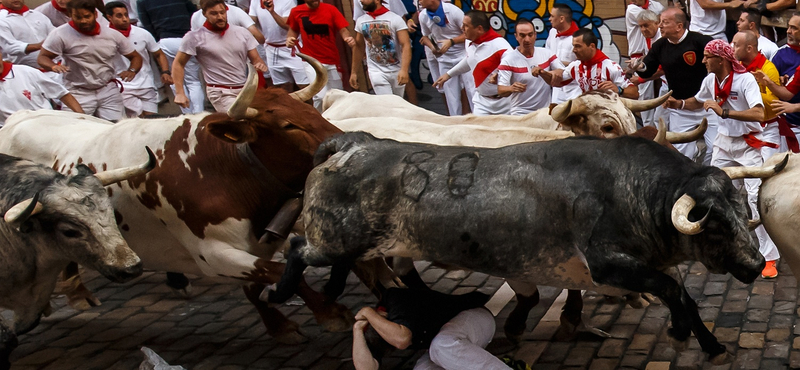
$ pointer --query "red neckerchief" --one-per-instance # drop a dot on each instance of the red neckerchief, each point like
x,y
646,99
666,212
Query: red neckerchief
x,y
570,31
94,32
6,70
796,48
20,12
126,33
211,28
487,36
598,58
380,11
646,4
721,95
56,7
757,63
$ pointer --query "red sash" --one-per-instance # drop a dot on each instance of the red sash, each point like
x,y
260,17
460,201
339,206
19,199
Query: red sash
x,y
6,70
757,143
214,29
380,11
721,94
126,33
20,12
94,32
568,32
786,131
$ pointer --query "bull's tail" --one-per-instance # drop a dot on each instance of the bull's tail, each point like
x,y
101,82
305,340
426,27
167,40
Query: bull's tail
x,y
339,143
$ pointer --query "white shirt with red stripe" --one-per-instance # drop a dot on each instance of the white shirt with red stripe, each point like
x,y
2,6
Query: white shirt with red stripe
x,y
588,77
482,60
273,33
222,57
18,31
636,41
745,94
516,67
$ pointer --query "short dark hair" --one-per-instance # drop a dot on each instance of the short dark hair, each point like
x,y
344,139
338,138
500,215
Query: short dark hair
x,y
753,16
113,5
586,35
207,4
524,21
87,5
479,18
563,9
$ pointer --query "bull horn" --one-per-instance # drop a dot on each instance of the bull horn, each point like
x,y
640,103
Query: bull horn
x,y
680,216
688,136
241,106
23,210
120,174
753,224
643,105
760,172
316,86
661,136
567,109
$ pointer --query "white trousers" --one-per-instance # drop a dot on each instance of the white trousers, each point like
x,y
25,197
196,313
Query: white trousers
x,y
191,76
222,98
452,88
105,102
285,68
461,342
646,93
386,83
334,82
734,151
771,134
486,106
686,120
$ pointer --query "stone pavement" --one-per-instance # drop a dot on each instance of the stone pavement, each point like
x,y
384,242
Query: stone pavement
x,y
219,329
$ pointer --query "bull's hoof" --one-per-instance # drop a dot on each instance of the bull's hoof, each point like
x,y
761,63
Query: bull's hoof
x,y
339,319
184,293
566,331
678,345
83,303
723,358
513,334
291,338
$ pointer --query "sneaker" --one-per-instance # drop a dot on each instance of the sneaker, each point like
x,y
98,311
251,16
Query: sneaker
x,y
770,271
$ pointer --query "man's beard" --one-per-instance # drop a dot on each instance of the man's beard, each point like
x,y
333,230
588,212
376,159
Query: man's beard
x,y
370,7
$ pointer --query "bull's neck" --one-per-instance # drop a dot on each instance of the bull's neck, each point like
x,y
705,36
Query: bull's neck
x,y
285,165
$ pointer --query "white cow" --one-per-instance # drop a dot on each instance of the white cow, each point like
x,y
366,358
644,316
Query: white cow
x,y
779,205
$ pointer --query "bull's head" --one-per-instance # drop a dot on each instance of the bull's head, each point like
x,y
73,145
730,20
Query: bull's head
x,y
73,217
713,216
272,121
602,113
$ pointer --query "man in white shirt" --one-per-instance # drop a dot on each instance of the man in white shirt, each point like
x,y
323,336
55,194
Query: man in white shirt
x,y
22,87
139,96
637,43
388,48
708,16
750,20
285,67
648,28
89,51
441,24
528,93
559,41
394,6
734,95
22,32
222,51
236,17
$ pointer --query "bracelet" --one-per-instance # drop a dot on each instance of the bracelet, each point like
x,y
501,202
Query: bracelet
x,y
133,70
683,103
725,112
619,90
452,43
167,72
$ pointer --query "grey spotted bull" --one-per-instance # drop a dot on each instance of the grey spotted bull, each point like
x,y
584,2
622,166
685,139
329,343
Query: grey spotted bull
x,y
50,220
611,216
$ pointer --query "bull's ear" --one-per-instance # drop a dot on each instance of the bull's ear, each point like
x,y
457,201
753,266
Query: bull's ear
x,y
235,132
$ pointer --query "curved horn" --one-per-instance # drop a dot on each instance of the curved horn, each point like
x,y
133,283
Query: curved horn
x,y
661,136
688,136
760,172
567,109
680,216
241,106
753,224
120,174
643,105
21,211
316,86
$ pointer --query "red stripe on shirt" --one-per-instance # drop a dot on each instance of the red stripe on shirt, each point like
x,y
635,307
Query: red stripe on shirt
x,y
513,69
547,63
485,67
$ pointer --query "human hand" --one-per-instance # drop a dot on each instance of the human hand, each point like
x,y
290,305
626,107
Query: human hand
x,y
441,80
260,66
360,326
444,46
734,4
712,105
349,40
127,76
784,79
518,87
363,312
354,81
781,107
182,100
412,27
166,79
291,41
607,85
537,71
58,68
673,103
402,77
493,78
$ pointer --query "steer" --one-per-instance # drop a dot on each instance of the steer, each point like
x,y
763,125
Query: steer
x,y
219,180
50,220
778,204
580,213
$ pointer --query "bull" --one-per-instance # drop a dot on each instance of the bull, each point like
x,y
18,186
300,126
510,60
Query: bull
x,y
50,220
778,204
219,181
607,215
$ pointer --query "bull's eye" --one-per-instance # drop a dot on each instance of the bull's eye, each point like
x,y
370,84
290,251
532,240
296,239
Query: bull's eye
x,y
607,128
71,233
290,126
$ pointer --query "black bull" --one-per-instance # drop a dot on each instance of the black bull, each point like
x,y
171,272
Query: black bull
x,y
579,213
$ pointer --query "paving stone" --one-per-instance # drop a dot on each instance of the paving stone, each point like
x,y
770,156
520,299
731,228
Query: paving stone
x,y
760,301
747,360
776,350
604,364
612,348
658,365
778,335
763,287
751,340
781,321
727,334
715,288
579,356
688,360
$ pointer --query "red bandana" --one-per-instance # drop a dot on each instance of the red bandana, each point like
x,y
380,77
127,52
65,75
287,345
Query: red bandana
x,y
380,11
56,7
20,12
757,63
212,28
6,70
646,4
570,31
94,32
487,36
598,58
796,48
721,94
126,33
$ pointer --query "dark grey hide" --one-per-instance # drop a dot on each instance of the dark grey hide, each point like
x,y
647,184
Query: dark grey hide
x,y
579,213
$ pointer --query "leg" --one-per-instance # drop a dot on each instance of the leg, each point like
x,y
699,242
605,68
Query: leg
x,y
179,284
278,326
78,296
8,341
109,103
336,284
461,342
527,298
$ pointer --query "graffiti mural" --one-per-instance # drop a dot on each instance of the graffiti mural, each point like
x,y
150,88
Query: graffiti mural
x,y
608,24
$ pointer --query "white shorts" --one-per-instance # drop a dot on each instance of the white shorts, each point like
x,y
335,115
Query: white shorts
x,y
285,68
222,97
137,101
386,83
105,102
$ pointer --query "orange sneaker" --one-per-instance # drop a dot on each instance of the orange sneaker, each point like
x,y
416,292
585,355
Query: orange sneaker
x,y
770,271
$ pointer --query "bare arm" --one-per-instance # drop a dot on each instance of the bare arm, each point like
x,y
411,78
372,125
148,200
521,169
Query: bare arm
x,y
256,60
358,57
631,92
346,37
780,91
136,65
45,60
362,357
712,5
163,66
397,335
690,104
257,34
405,63
281,21
178,68
291,38
71,103
780,5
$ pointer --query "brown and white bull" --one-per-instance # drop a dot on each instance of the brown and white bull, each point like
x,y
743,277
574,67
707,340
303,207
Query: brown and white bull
x,y
219,180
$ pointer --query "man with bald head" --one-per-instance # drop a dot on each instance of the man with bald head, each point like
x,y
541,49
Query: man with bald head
x,y
750,20
679,52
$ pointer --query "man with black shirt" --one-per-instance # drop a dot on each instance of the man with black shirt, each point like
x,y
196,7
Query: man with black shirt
x,y
679,53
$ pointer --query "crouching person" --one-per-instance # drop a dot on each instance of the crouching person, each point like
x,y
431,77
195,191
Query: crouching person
x,y
454,328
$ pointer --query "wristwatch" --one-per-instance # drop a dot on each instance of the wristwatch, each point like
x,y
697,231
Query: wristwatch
x,y
133,70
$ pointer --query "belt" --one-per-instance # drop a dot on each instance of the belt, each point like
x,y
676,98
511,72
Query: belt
x,y
224,87
276,45
495,97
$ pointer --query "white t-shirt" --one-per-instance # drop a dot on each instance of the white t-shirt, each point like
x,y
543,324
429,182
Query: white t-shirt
x,y
90,58
636,41
144,43
588,78
516,67
767,47
223,58
273,33
745,94
27,88
59,18
394,6
384,53
236,17
451,29
562,47
17,31
707,22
